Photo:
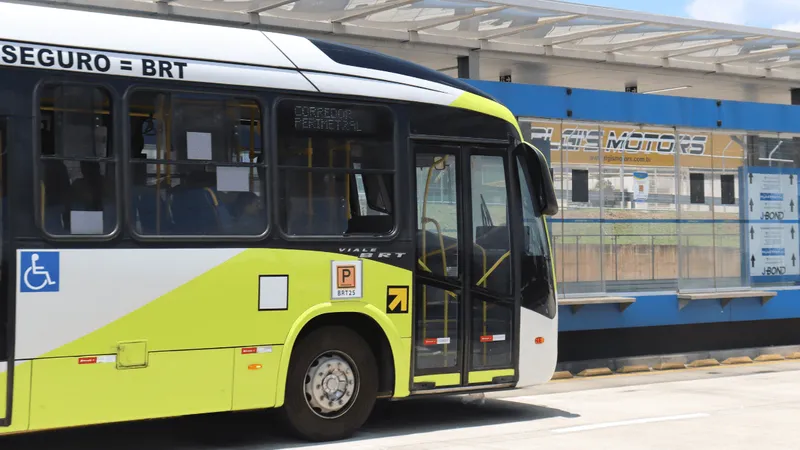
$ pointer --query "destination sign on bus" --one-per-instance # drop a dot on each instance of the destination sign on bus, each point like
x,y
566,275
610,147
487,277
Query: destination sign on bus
x,y
312,118
321,118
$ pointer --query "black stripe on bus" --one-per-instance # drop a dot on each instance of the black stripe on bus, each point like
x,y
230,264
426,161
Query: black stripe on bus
x,y
368,59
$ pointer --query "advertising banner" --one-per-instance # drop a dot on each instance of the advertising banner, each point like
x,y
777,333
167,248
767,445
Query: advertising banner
x,y
622,144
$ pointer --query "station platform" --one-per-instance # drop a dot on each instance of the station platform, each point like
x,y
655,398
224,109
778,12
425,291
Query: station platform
x,y
671,242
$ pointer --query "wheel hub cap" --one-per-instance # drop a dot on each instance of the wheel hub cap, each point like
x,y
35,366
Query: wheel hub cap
x,y
330,385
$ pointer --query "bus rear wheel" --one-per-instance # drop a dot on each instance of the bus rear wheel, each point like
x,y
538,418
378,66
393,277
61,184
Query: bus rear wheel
x,y
331,384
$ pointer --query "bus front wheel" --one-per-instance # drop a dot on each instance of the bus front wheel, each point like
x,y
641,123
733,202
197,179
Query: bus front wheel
x,y
331,384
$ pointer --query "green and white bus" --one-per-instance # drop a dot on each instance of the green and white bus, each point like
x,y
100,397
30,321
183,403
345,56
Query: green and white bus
x,y
199,219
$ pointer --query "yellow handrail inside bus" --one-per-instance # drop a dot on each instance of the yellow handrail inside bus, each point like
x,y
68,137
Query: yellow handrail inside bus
x,y
424,220
441,242
484,262
424,267
495,266
483,281
444,272
425,211
427,269
102,112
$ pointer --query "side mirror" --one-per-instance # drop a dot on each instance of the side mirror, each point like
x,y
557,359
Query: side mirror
x,y
541,183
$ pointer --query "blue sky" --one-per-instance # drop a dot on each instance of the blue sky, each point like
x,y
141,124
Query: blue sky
x,y
781,14
668,7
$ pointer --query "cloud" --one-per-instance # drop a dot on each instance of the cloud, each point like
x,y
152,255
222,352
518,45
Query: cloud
x,y
727,11
760,13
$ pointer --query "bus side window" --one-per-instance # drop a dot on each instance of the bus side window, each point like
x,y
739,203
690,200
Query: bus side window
x,y
336,164
77,179
196,166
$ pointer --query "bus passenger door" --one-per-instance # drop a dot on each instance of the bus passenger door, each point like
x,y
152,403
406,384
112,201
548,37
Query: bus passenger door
x,y
464,308
439,272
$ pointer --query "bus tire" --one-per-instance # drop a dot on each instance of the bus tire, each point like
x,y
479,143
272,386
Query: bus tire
x,y
343,396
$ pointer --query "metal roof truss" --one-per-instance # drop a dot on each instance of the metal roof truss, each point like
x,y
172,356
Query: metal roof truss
x,y
509,28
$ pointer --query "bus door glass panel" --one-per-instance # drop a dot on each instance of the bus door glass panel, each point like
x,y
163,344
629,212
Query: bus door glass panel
x,y
492,308
437,300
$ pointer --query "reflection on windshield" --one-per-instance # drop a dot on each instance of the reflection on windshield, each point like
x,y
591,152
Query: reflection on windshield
x,y
537,275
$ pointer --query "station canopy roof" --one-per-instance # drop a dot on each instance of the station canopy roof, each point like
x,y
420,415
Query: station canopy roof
x,y
512,28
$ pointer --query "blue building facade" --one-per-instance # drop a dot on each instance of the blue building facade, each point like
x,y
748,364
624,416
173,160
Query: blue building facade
x,y
685,209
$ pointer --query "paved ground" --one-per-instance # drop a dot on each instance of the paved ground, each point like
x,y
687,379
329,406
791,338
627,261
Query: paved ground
x,y
731,408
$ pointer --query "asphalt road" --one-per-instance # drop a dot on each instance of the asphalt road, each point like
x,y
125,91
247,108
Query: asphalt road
x,y
731,408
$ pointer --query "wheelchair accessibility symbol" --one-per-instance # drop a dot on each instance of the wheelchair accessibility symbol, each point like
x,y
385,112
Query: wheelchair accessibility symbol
x,y
39,272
